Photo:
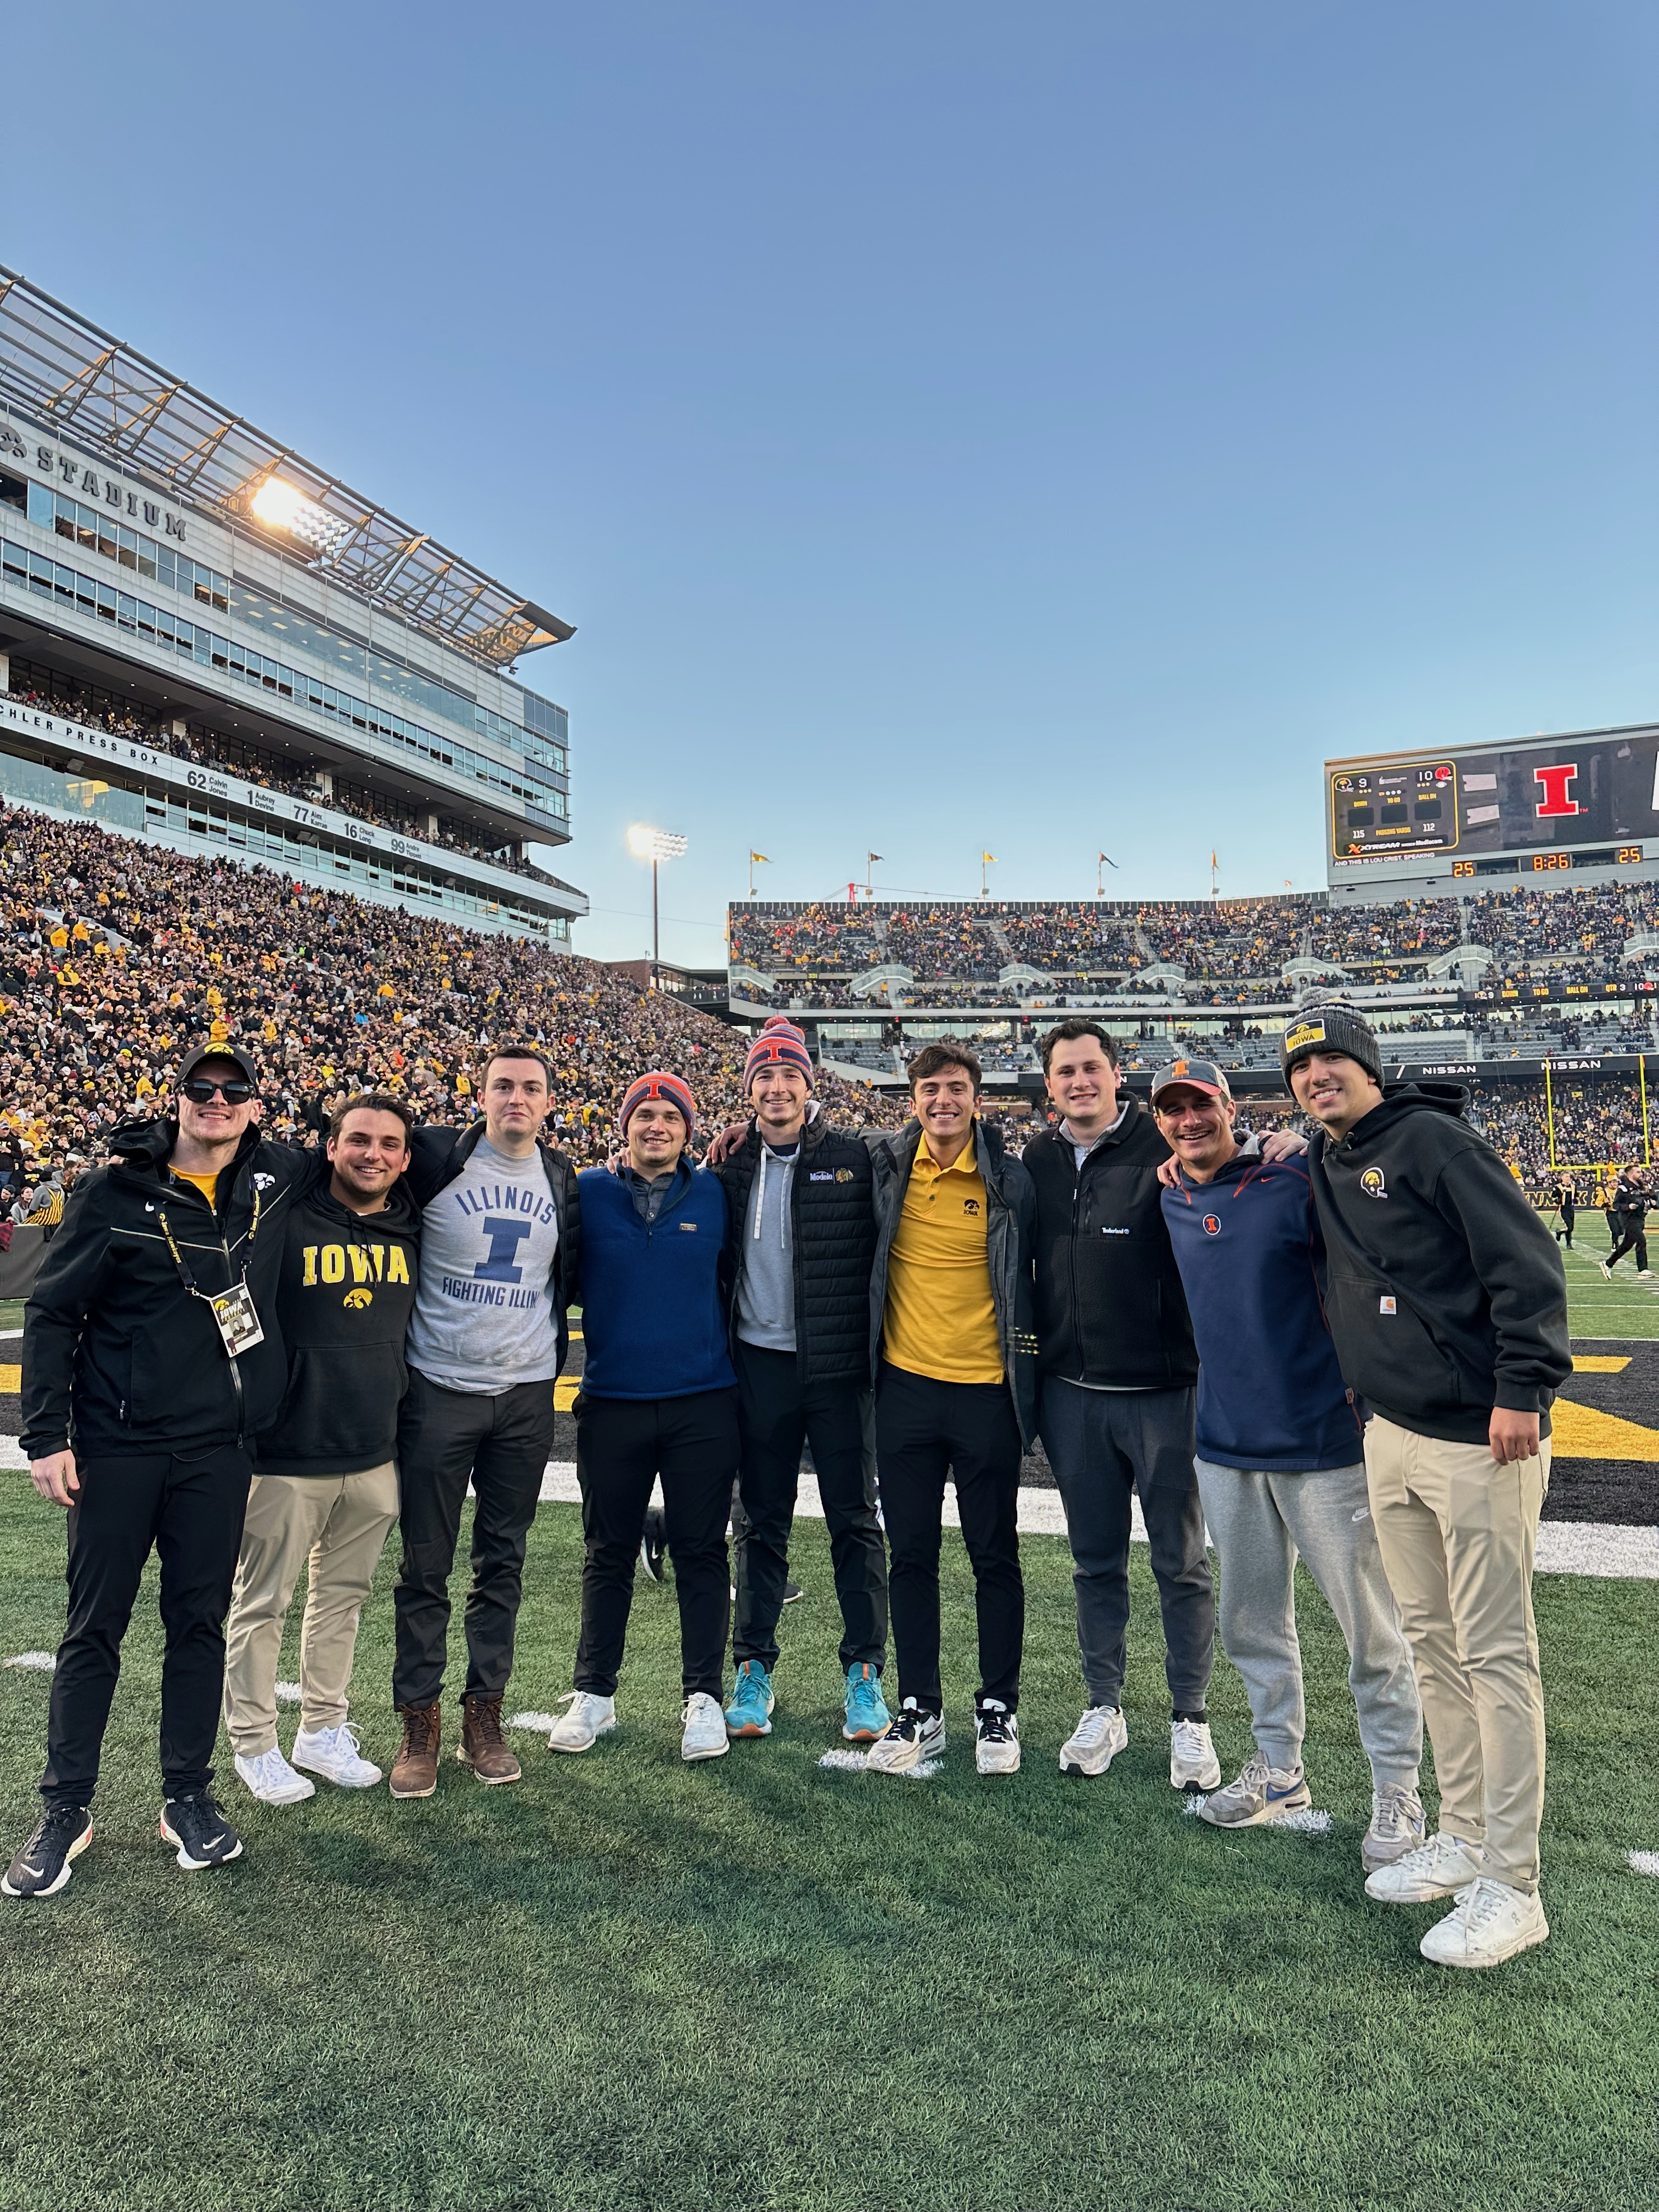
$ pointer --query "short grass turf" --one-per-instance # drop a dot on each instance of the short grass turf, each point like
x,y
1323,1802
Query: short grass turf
x,y
758,1983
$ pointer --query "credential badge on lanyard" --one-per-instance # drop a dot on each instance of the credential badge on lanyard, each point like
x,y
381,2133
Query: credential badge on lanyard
x,y
233,1310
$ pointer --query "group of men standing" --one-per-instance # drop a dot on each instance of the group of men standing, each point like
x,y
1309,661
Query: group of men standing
x,y
249,1357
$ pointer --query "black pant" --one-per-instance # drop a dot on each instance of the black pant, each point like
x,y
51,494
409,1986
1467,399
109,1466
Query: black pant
x,y
502,1443
925,1429
190,1510
1632,1237
623,1444
774,1416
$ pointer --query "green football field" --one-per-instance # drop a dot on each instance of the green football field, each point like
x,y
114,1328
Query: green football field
x,y
761,1982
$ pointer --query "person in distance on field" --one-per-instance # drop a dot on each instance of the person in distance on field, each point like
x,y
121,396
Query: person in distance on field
x,y
1281,1463
802,1236
500,1241
326,1486
951,1343
1566,1208
152,1356
1629,1205
658,1398
1447,1305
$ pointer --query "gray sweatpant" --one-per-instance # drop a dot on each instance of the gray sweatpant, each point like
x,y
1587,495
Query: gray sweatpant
x,y
1259,1523
1103,1445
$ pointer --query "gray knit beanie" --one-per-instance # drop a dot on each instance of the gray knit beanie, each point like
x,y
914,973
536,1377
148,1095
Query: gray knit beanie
x,y
1333,1028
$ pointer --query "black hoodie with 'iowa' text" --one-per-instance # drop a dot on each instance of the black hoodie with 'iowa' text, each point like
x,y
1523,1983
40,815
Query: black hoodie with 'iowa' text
x,y
1447,1296
344,1300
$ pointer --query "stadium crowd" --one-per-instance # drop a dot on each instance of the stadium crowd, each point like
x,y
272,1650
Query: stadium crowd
x,y
97,709
1557,938
118,957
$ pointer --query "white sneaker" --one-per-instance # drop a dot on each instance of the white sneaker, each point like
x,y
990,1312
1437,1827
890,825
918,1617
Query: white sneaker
x,y
1606,1270
1259,1793
1397,1825
1193,1762
272,1780
705,1735
913,1737
1490,1923
584,1719
1439,1868
333,1753
1646,1276
996,1738
1096,1741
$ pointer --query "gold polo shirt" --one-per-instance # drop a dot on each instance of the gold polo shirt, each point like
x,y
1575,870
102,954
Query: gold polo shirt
x,y
940,1320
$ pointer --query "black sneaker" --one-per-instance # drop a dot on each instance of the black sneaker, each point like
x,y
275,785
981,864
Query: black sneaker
x,y
42,1867
195,1820
654,1545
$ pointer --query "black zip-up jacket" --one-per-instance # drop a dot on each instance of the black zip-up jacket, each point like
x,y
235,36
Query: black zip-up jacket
x,y
832,1234
1010,1240
344,1300
1446,1293
1110,1309
437,1157
118,1357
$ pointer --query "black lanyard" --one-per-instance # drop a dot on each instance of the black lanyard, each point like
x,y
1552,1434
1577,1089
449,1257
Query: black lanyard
x,y
183,1265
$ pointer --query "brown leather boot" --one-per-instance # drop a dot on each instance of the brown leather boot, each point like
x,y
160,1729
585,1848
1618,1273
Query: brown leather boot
x,y
483,1747
415,1770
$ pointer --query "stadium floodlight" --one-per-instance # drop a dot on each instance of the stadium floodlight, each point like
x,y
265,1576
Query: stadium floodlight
x,y
645,843
281,507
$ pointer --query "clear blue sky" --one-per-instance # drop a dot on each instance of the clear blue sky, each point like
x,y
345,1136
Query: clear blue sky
x,y
948,427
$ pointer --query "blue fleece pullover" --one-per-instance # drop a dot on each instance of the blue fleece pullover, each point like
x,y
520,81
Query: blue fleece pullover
x,y
1270,1393
654,1314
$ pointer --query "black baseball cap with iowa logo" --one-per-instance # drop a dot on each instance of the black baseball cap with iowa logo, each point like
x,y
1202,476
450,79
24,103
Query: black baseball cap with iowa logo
x,y
1196,1075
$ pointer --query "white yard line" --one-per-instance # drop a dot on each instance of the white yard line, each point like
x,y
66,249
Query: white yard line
x,y
1565,1547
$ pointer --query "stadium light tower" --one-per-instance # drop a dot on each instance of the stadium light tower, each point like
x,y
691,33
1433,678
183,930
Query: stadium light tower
x,y
655,845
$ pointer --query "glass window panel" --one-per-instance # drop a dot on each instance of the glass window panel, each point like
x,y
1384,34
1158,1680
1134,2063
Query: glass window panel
x,y
42,505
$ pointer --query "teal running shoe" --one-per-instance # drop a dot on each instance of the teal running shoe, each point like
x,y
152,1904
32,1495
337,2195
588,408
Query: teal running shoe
x,y
749,1712
866,1709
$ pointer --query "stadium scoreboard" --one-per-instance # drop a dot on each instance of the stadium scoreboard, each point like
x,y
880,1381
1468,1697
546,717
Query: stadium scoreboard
x,y
1532,808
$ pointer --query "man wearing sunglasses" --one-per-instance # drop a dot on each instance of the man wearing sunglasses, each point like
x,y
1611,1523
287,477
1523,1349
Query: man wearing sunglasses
x,y
151,1358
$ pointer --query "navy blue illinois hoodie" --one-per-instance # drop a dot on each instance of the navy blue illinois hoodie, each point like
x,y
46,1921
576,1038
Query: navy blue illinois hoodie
x,y
1270,1391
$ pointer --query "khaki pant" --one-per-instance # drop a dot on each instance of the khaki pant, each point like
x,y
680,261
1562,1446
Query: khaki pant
x,y
342,1521
1457,1534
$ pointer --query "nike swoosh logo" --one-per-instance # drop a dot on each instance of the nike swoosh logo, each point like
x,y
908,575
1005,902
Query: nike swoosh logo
x,y
1273,1796
35,1871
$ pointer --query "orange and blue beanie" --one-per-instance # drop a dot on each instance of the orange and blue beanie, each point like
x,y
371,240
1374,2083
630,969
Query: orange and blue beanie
x,y
656,1084
778,1044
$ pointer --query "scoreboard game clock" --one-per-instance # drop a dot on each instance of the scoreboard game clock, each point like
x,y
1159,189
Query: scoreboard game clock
x,y
1394,807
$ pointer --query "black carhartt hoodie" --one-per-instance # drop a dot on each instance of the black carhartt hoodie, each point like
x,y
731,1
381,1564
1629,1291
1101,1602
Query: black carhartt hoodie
x,y
344,1300
1447,1296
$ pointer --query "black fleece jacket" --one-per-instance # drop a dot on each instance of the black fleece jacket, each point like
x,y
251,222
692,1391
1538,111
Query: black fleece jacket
x,y
833,1235
1447,1296
343,1301
118,1357
1110,1308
